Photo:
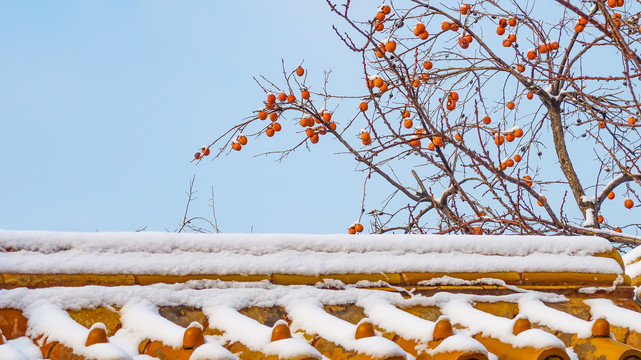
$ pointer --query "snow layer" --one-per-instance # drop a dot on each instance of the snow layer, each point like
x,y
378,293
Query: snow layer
x,y
180,254
632,255
477,321
458,342
304,305
309,316
55,324
387,316
633,270
9,352
211,351
142,318
27,347
538,312
615,315
260,244
254,335
588,199
589,218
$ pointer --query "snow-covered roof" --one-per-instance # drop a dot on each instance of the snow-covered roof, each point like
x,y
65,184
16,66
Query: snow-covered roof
x,y
154,295
250,254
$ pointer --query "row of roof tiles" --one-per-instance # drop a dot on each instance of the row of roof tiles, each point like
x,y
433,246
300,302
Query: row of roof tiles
x,y
375,297
339,324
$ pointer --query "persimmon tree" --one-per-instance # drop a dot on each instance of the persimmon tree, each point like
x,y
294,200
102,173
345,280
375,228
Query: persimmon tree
x,y
497,117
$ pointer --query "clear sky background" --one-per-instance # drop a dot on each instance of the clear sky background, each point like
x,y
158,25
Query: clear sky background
x,y
103,104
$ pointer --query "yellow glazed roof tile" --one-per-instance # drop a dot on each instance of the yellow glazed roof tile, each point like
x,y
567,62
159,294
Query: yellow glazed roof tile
x,y
309,297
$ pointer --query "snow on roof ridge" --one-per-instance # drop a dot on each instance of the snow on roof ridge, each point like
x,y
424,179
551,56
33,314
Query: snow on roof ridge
x,y
37,252
162,242
297,263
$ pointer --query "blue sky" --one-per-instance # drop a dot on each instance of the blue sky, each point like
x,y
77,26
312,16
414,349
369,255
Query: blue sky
x,y
103,103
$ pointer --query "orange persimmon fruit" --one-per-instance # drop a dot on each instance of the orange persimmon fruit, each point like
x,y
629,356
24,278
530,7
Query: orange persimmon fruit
x,y
531,55
271,98
390,46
